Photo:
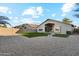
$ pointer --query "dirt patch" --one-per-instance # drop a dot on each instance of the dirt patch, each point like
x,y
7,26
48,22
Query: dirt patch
x,y
8,31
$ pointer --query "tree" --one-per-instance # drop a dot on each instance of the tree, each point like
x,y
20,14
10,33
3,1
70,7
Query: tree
x,y
77,10
4,21
67,21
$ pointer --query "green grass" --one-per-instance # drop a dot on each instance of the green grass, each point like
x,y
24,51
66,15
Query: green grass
x,y
61,35
34,34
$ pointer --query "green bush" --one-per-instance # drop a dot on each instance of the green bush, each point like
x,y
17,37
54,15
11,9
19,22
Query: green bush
x,y
34,34
61,35
68,32
76,31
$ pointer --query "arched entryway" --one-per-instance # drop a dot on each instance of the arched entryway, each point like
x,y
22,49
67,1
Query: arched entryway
x,y
49,27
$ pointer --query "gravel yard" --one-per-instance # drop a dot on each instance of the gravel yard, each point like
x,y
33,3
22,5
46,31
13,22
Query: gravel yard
x,y
39,46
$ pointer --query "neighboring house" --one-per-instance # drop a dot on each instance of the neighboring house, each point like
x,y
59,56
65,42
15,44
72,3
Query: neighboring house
x,y
54,26
27,28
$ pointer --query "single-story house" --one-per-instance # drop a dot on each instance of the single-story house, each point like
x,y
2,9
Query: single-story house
x,y
27,28
54,26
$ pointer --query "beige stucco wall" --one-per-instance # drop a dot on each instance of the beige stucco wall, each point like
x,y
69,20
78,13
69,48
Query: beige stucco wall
x,y
7,31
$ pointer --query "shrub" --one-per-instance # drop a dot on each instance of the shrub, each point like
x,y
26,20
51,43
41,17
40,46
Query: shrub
x,y
34,34
69,32
61,35
76,31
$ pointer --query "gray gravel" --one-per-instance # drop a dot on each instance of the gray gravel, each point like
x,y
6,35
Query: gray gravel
x,y
39,46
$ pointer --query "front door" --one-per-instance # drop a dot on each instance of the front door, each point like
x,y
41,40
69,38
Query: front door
x,y
49,27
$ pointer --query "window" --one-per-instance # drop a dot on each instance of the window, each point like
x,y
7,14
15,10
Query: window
x,y
24,27
40,29
57,29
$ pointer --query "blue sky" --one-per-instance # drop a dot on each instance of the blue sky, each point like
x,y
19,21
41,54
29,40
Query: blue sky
x,y
36,13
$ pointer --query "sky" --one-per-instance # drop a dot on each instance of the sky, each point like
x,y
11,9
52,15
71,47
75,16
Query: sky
x,y
36,13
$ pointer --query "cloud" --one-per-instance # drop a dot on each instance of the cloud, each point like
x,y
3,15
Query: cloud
x,y
10,17
15,20
9,12
53,15
27,20
18,21
15,17
57,19
64,14
29,11
67,7
35,12
39,10
4,10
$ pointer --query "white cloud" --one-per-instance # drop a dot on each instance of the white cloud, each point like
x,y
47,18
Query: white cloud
x,y
53,15
4,10
29,11
10,17
39,10
15,17
27,20
64,14
35,12
9,12
67,7
57,19
36,22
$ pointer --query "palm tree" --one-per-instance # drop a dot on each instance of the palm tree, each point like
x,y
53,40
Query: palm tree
x,y
76,10
67,21
4,21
